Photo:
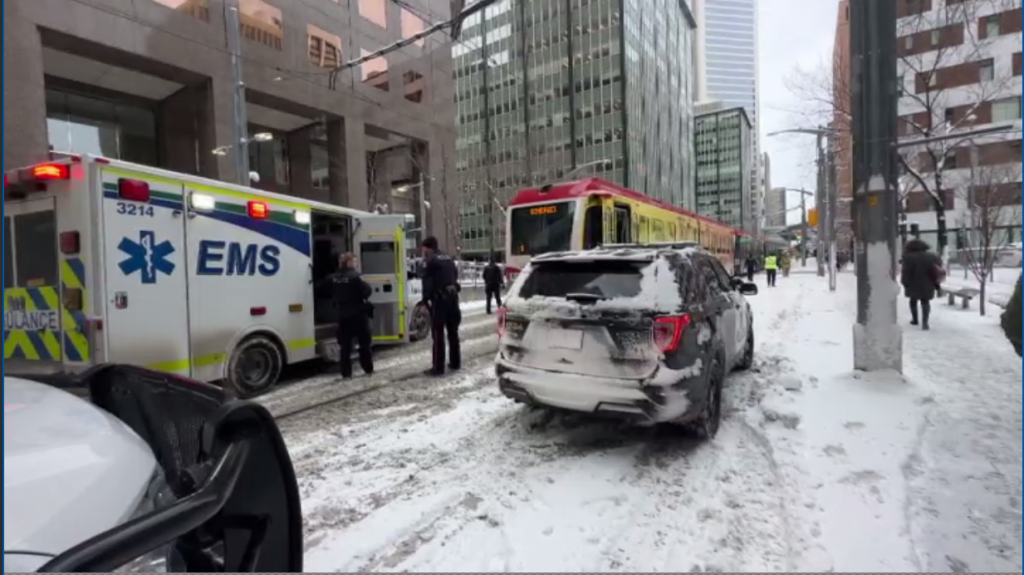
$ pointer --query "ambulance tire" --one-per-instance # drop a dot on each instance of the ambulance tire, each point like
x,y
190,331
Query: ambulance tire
x,y
420,328
255,366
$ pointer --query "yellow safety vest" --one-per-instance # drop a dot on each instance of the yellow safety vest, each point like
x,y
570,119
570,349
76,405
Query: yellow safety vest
x,y
771,263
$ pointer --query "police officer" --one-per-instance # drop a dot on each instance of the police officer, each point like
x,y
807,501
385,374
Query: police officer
x,y
441,292
494,280
351,295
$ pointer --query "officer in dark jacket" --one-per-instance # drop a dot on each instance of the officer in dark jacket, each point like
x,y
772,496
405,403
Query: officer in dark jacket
x,y
441,292
1011,319
920,275
351,295
494,280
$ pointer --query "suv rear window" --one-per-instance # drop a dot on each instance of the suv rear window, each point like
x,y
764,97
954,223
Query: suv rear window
x,y
607,280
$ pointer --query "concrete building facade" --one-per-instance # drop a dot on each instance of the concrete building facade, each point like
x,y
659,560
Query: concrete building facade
x,y
775,208
960,66
154,84
546,86
724,156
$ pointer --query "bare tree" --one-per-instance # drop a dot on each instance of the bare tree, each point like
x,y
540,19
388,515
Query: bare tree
x,y
371,180
934,47
993,206
439,185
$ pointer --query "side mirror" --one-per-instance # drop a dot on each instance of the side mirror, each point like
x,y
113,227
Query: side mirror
x,y
748,288
737,283
237,507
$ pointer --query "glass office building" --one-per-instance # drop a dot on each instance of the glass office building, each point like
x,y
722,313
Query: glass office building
x,y
547,86
724,157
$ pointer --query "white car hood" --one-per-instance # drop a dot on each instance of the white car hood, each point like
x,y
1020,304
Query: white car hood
x,y
71,470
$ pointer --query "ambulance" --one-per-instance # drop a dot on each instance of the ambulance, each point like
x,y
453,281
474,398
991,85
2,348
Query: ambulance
x,y
107,261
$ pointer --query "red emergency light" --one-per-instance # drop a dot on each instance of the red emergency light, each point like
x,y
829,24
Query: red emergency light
x,y
43,172
70,243
258,210
133,190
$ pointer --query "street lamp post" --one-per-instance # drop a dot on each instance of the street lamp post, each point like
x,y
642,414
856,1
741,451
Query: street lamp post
x,y
803,218
825,196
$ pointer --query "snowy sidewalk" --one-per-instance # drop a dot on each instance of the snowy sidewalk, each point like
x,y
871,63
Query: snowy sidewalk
x,y
914,473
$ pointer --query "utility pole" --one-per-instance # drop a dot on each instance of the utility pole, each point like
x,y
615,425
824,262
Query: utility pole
x,y
833,208
877,339
803,236
819,202
240,128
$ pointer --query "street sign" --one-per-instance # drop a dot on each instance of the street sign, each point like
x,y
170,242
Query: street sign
x,y
812,217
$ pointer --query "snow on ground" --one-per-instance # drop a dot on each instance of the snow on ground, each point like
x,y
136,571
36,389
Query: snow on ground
x,y
815,468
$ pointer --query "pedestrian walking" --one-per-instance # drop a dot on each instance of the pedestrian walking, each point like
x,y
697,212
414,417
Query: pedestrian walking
x,y
351,296
441,292
494,282
921,275
785,262
751,265
771,268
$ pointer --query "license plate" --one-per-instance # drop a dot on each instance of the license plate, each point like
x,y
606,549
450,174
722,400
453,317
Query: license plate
x,y
565,339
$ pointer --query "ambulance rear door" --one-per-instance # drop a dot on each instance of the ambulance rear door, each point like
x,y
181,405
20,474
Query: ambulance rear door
x,y
32,310
379,241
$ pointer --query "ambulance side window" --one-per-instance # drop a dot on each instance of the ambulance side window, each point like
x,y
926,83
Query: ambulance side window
x,y
35,236
8,255
378,258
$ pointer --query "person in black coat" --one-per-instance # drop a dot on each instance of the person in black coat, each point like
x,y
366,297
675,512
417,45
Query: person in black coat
x,y
351,295
920,275
494,281
751,265
441,292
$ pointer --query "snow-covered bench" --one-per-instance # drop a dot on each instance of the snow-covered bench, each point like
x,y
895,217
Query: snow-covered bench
x,y
965,295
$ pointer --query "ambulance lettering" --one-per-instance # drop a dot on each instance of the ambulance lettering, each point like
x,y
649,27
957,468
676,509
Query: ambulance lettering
x,y
217,258
17,317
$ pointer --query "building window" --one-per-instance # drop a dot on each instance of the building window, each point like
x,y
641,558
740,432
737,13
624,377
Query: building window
x,y
412,25
261,23
375,11
993,27
987,70
324,48
415,83
84,124
375,71
198,9
908,43
936,37
1007,110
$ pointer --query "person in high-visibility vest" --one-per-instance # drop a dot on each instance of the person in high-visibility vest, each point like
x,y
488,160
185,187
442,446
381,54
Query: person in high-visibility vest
x,y
771,268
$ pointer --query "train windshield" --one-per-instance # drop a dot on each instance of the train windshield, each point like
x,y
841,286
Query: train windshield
x,y
542,229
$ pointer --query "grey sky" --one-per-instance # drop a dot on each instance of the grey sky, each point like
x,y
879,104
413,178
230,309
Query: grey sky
x,y
792,33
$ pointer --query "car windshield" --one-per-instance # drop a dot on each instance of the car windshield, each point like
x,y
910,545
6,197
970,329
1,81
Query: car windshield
x,y
603,280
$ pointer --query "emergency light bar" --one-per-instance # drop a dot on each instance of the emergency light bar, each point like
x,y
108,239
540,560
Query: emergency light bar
x,y
133,190
258,210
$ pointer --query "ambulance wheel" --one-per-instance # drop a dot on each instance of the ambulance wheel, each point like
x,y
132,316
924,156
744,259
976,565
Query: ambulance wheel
x,y
254,367
420,328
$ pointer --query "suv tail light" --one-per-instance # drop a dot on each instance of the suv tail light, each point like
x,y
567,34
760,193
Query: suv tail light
x,y
667,331
502,312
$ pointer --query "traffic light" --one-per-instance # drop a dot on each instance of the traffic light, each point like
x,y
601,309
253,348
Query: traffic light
x,y
812,217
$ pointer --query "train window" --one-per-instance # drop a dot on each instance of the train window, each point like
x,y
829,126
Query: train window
x,y
623,234
672,231
658,230
594,229
645,236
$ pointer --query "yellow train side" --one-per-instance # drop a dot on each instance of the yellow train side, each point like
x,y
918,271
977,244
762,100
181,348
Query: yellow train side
x,y
650,223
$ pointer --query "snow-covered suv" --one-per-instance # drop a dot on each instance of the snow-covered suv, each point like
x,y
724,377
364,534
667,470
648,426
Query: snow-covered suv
x,y
642,332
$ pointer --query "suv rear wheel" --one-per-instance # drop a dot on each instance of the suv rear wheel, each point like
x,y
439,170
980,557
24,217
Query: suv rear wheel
x,y
710,419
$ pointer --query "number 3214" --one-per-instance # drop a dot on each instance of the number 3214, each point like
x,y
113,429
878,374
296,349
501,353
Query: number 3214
x,y
126,209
